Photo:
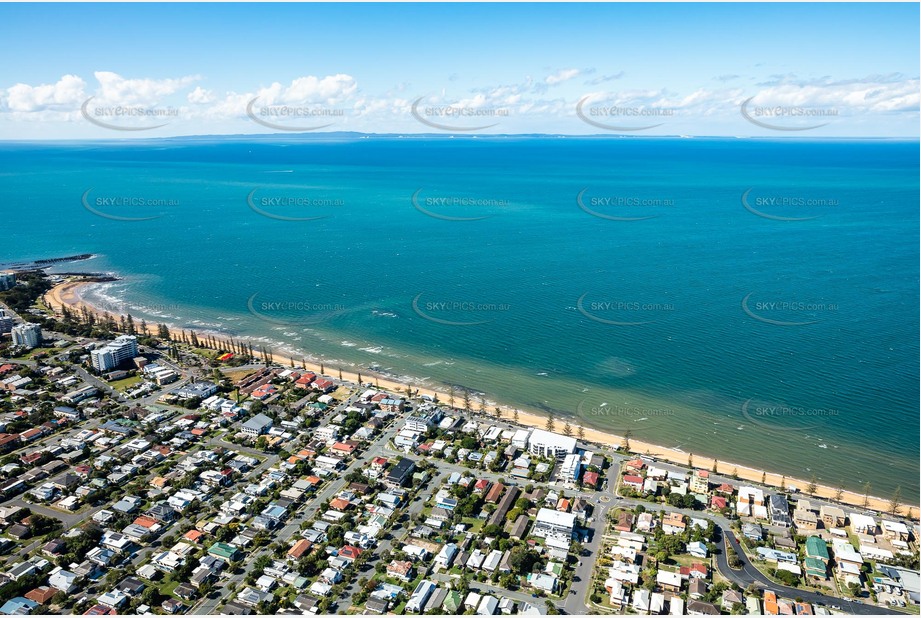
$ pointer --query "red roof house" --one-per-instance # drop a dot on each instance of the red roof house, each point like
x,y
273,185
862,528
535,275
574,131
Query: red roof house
x,y
349,552
636,482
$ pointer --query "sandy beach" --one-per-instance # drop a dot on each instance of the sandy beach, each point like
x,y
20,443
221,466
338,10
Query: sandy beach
x,y
67,294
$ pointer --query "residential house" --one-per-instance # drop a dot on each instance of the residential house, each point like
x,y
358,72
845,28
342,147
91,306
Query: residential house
x,y
832,516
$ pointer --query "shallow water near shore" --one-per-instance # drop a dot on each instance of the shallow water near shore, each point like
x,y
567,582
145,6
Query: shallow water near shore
x,y
779,334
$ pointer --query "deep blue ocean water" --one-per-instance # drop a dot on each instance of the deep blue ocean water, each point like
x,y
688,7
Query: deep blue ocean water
x,y
622,307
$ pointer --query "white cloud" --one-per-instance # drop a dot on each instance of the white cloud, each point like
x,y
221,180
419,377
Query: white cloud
x,y
115,89
200,96
329,90
333,91
561,76
882,99
66,94
605,78
871,94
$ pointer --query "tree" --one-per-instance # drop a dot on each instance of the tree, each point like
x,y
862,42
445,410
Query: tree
x,y
896,503
522,559
732,558
551,423
787,578
580,432
626,441
567,429
515,416
866,494
262,562
839,492
813,484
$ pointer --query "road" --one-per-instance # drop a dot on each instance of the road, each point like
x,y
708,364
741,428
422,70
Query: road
x,y
748,574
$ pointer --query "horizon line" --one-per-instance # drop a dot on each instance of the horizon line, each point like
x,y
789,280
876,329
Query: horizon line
x,y
447,135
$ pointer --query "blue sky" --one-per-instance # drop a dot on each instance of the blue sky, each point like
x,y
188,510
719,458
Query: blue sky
x,y
805,70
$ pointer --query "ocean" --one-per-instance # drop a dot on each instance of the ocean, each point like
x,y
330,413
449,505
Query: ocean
x,y
753,300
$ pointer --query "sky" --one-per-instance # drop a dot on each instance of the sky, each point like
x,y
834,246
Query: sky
x,y
94,71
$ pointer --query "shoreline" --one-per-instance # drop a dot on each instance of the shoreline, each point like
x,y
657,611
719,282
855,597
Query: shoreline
x,y
65,293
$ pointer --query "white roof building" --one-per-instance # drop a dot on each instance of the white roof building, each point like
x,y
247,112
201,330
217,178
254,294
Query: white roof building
x,y
552,523
520,439
488,605
862,524
546,444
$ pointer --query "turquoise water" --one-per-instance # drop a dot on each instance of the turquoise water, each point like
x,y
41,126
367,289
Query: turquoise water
x,y
537,297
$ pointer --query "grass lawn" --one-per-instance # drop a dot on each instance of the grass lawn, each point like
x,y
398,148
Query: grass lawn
x,y
605,599
123,385
238,374
212,354
40,304
168,588
474,523
688,560
33,352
